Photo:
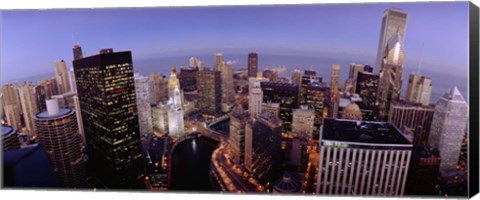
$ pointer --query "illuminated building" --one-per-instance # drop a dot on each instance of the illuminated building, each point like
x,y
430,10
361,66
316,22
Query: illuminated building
x,y
61,76
228,94
284,93
448,127
390,79
12,105
270,74
10,138
266,148
367,86
271,107
334,90
106,90
255,95
252,64
309,76
144,92
218,61
28,101
176,127
362,158
160,88
288,184
188,78
160,116
316,96
209,92
394,21
412,118
57,131
173,82
419,89
236,138
249,156
77,52
302,122
296,77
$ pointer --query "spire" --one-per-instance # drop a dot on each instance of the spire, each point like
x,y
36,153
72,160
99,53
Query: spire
x,y
421,59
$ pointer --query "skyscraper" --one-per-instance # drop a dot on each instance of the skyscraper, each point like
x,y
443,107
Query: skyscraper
x,y
160,88
353,74
188,78
228,94
302,122
236,138
362,158
57,130
61,76
393,21
173,82
413,118
41,96
106,90
12,105
176,127
419,89
28,101
367,87
144,92
390,80
334,90
448,127
316,96
77,52
209,92
284,93
255,95
218,61
252,64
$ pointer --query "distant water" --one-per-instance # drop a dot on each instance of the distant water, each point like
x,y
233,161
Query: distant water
x,y
441,82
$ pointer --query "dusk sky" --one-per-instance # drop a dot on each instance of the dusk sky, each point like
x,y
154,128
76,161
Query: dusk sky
x,y
31,40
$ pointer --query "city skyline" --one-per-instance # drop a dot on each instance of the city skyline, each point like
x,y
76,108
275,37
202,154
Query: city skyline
x,y
264,29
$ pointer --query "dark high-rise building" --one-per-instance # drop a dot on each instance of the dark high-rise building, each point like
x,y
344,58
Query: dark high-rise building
x,y
188,78
413,118
106,91
77,52
367,85
252,64
316,96
287,95
209,91
423,171
10,138
57,130
309,76
266,146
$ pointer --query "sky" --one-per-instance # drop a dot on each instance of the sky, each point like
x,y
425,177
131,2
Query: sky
x,y
31,40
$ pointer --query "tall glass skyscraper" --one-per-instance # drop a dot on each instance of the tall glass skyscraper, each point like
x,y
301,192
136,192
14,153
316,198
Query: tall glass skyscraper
x,y
393,21
106,90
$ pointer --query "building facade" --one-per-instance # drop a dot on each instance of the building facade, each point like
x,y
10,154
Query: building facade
x,y
144,93
419,89
287,95
62,77
367,87
303,122
9,138
28,101
209,92
236,138
252,64
412,118
334,90
255,95
316,96
393,21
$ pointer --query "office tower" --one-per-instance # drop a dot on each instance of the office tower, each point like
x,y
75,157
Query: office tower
x,y
270,74
218,61
144,92
423,171
390,80
284,93
10,138
334,90
353,74
209,92
270,107
78,112
41,96
160,88
352,112
252,64
412,118
28,101
296,77
61,76
362,158
266,147
57,131
77,52
236,139
173,82
228,94
73,84
50,86
367,86
65,100
160,118
309,76
302,122
188,78
106,90
176,127
288,184
448,127
255,95
419,89
316,97
12,105
394,21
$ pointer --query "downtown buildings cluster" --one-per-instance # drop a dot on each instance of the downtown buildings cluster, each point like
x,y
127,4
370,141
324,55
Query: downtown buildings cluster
x,y
93,126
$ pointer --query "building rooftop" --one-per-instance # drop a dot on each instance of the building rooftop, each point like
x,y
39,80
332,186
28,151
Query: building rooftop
x,y
7,131
61,112
362,132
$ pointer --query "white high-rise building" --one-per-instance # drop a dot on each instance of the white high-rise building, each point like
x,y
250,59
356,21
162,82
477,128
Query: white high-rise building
x,y
176,127
419,89
144,92
28,101
302,122
255,95
62,77
448,127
